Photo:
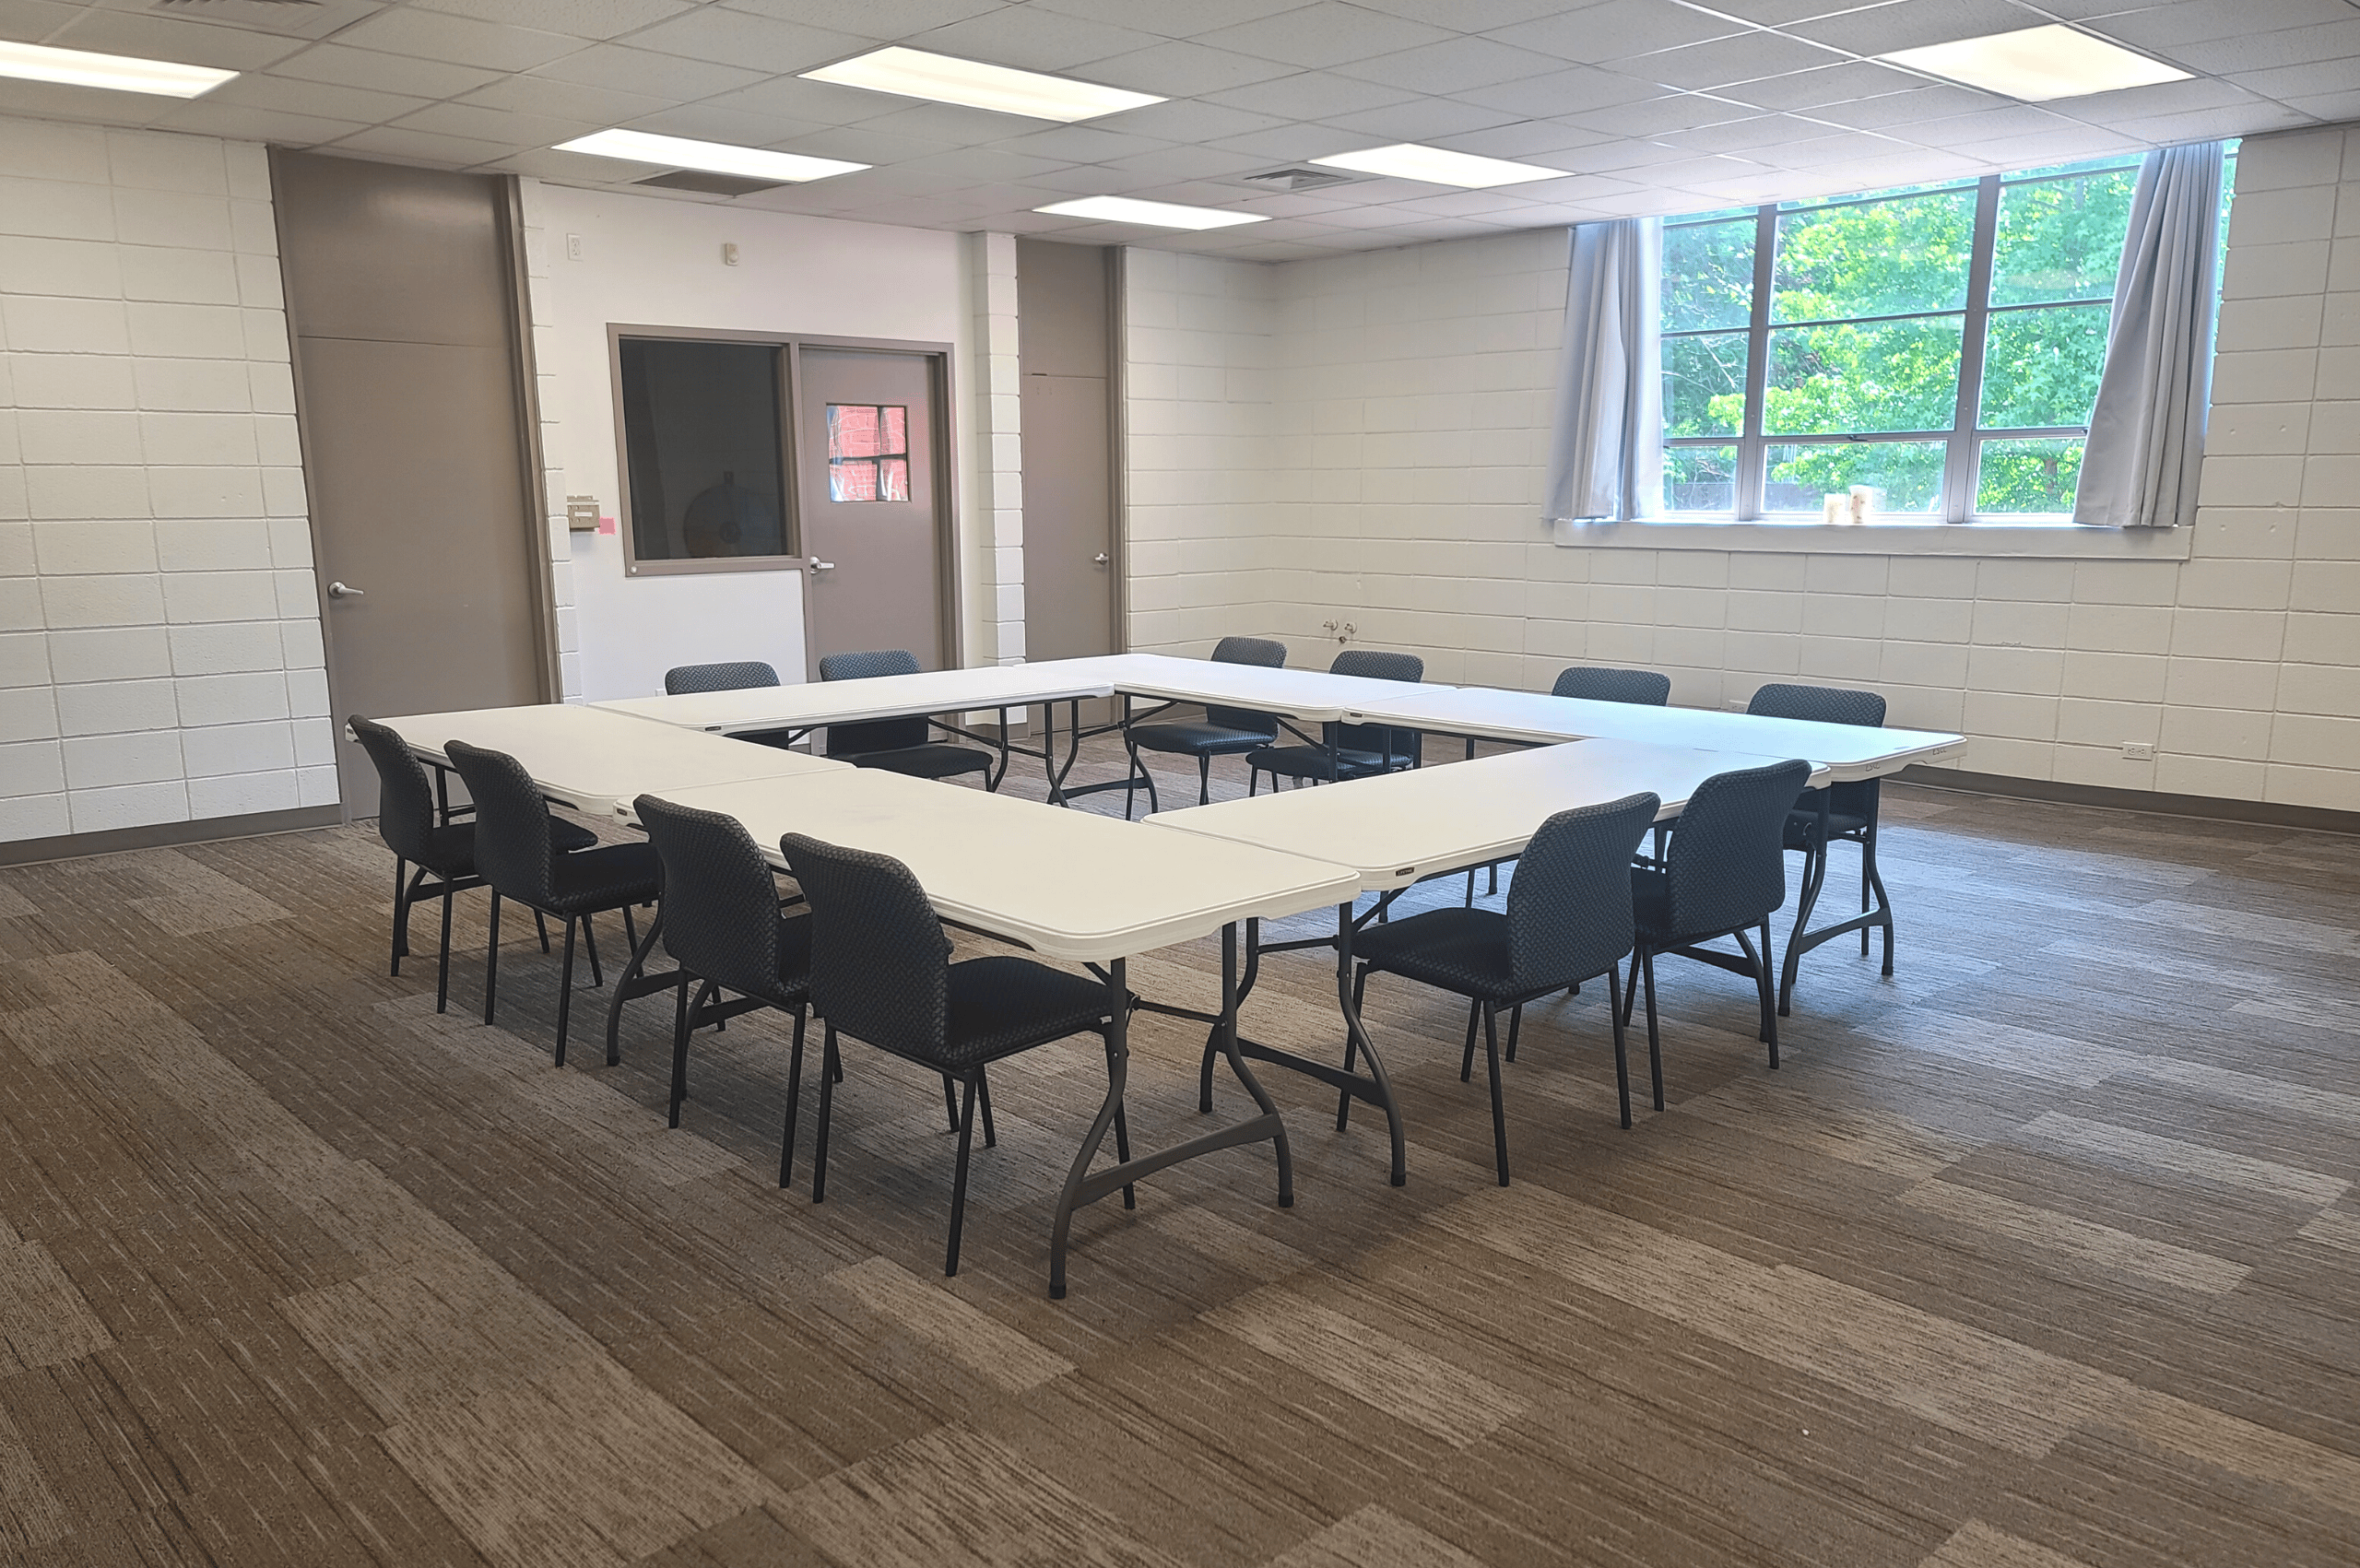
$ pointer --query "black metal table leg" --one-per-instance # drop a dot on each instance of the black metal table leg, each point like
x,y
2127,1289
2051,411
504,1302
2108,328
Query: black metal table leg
x,y
634,981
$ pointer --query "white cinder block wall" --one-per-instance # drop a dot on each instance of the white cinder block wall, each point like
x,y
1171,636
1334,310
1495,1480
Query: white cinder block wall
x,y
1402,490
160,632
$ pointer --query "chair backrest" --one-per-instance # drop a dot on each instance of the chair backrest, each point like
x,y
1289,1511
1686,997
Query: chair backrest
x,y
512,849
880,964
1258,651
1569,908
1827,705
1821,704
1648,688
877,735
720,900
1727,861
742,675
1374,664
404,798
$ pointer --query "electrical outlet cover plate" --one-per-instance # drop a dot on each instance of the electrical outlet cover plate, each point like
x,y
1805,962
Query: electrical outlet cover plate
x,y
2138,751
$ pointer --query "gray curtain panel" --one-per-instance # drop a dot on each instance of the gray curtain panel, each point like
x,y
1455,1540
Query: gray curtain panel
x,y
2146,441
1605,454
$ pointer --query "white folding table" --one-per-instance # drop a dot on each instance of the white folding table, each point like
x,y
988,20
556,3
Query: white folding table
x,y
1399,829
1069,885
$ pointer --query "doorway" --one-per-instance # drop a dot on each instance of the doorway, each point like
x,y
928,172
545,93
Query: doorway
x,y
872,467
412,401
1072,552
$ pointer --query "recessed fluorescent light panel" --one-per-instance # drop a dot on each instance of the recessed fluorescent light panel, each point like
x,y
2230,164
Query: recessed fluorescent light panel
x,y
121,72
2038,64
1160,215
945,79
720,158
1408,160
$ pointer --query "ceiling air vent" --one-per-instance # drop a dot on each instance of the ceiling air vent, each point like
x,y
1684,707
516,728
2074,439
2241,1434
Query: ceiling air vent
x,y
709,183
1298,179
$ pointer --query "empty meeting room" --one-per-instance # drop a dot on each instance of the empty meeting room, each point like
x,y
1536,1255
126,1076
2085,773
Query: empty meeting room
x,y
1254,783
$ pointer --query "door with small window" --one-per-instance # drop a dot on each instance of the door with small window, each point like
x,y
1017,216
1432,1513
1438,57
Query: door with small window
x,y
866,478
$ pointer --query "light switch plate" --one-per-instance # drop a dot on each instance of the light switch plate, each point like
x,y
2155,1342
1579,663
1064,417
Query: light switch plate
x,y
581,512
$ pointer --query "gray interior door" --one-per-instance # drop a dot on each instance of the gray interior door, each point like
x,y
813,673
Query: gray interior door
x,y
872,520
1070,551
401,298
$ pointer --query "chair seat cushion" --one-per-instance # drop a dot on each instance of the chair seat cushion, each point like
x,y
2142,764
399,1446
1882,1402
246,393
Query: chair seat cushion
x,y
929,761
1195,739
1311,762
593,879
451,850
1464,950
1003,1004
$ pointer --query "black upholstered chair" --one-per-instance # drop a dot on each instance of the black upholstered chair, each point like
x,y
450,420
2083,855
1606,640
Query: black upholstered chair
x,y
514,857
898,745
723,928
881,972
1722,874
1225,732
743,674
1361,749
1648,688
446,853
1844,812
1568,921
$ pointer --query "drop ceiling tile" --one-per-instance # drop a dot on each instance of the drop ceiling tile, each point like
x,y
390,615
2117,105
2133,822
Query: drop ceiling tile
x,y
461,40
1984,125
1327,33
703,121
391,142
1911,24
1187,163
1177,69
367,69
984,165
564,101
1745,58
639,70
1846,83
2163,98
2010,153
1187,120
1163,17
1032,41
821,103
1310,95
953,124
580,18
2330,107
30,21
482,123
2205,124
2286,82
1464,203
1562,93
1422,120
1779,13
1082,180
864,144
1082,144
1470,16
1739,135
2261,52
1452,65
1537,140
167,38
1900,111
320,100
244,122
891,20
1576,190
1820,152
1674,111
739,38
1292,144
2195,21
286,21
1615,29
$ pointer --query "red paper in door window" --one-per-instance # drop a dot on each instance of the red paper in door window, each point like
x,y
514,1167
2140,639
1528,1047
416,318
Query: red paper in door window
x,y
868,451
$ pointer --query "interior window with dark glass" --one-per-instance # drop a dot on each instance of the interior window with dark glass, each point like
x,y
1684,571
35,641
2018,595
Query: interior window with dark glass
x,y
700,437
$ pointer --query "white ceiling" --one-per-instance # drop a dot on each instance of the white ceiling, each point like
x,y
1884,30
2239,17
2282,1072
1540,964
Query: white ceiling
x,y
1652,106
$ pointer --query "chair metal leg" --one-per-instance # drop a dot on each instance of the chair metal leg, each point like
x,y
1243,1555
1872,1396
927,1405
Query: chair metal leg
x,y
1499,1114
1622,1059
492,959
442,972
1769,992
1814,877
951,1101
1655,1041
541,926
794,1095
401,913
631,931
566,991
984,1100
1515,1021
1138,771
959,1180
1869,869
680,1046
1467,1057
1205,781
590,940
827,1084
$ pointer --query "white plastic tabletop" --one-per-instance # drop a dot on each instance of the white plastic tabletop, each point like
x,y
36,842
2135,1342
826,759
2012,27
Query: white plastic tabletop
x,y
1069,884
1311,696
592,760
1397,828
817,702
1849,751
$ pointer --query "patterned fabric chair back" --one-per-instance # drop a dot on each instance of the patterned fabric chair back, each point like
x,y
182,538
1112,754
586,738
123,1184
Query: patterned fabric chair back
x,y
720,900
1727,862
880,964
404,798
1569,908
1646,687
681,679
512,849
878,734
1258,651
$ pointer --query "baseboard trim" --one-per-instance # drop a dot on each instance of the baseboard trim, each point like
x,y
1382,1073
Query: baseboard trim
x,y
162,835
2265,813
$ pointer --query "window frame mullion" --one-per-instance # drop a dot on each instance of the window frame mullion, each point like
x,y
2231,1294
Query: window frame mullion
x,y
1958,468
1746,500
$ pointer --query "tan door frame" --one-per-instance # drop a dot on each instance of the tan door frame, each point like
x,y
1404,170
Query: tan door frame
x,y
1119,415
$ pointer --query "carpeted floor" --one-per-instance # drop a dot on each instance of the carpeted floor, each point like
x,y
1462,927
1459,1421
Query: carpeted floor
x,y
2042,1252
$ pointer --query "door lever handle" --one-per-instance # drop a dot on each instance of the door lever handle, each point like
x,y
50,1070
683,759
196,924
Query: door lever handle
x,y
339,590
1099,559
818,565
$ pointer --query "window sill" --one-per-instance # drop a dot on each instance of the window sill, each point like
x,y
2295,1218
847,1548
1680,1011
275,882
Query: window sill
x,y
2039,541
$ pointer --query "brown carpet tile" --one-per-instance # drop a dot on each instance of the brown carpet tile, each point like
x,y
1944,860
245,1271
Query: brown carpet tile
x,y
2043,1254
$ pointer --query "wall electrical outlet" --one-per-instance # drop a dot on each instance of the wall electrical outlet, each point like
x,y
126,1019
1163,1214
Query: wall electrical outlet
x,y
2138,751
573,247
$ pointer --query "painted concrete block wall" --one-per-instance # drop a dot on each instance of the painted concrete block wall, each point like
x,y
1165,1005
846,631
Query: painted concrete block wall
x,y
1413,397
160,657
646,261
994,476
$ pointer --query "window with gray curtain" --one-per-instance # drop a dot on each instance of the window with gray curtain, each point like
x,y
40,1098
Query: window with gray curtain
x,y
1942,346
